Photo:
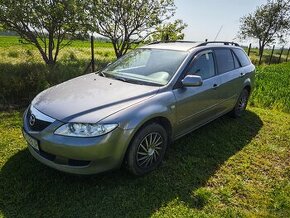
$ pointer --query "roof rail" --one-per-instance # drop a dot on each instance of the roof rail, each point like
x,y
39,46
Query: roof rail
x,y
157,42
218,42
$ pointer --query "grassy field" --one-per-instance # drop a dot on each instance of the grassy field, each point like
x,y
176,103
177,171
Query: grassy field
x,y
254,55
12,51
272,89
229,168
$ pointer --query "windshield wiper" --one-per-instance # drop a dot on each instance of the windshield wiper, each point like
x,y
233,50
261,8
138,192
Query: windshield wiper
x,y
121,79
102,74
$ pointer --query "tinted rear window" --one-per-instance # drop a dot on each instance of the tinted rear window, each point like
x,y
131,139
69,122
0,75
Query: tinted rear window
x,y
225,61
237,63
244,60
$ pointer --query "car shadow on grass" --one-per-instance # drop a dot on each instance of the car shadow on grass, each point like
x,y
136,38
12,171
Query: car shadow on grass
x,y
30,189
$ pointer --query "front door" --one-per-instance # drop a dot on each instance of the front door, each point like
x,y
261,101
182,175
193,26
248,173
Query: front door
x,y
197,105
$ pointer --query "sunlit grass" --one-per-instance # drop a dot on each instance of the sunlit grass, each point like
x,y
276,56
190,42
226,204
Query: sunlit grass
x,y
14,52
272,88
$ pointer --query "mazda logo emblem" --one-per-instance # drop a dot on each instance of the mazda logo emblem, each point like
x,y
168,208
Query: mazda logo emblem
x,y
32,120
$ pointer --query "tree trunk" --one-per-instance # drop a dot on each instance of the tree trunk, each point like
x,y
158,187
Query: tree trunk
x,y
51,61
120,50
261,48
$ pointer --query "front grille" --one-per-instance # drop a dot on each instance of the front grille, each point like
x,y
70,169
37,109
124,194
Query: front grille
x,y
78,163
68,162
46,155
38,125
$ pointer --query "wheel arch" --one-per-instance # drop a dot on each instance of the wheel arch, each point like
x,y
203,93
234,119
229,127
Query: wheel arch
x,y
162,120
248,85
248,88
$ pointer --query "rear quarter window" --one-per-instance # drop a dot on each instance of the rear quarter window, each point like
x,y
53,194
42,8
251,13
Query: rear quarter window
x,y
225,61
243,58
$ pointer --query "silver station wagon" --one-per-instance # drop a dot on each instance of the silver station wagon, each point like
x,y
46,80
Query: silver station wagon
x,y
128,113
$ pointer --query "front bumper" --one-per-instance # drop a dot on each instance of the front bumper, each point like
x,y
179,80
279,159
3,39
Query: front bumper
x,y
79,155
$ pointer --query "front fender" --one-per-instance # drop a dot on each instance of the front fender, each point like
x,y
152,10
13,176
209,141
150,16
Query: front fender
x,y
160,105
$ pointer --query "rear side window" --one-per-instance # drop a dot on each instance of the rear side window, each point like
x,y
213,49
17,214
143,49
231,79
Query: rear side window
x,y
244,60
225,61
237,64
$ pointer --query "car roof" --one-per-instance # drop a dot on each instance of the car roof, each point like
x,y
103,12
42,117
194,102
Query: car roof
x,y
178,46
187,45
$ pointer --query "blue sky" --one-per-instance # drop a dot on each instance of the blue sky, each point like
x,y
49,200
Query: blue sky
x,y
205,17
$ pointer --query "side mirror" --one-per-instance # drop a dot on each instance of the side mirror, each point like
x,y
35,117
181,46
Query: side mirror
x,y
192,81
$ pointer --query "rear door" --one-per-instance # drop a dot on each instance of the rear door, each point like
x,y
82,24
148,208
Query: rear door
x,y
230,73
197,105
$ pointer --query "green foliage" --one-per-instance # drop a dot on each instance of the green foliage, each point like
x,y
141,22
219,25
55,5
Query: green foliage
x,y
128,22
42,23
272,87
17,88
269,22
20,83
169,31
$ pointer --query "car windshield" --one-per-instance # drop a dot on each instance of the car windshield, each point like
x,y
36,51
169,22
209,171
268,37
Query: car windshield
x,y
146,66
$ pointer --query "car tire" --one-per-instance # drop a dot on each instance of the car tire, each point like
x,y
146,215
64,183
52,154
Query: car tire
x,y
147,149
241,104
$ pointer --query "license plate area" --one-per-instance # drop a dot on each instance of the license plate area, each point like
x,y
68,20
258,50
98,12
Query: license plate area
x,y
30,140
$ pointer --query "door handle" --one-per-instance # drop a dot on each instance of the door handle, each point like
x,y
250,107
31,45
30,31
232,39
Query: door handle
x,y
243,74
215,86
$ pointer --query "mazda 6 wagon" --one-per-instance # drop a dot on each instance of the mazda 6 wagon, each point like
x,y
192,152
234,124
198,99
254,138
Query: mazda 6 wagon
x,y
128,113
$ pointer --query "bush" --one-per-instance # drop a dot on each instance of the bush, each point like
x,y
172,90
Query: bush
x,y
20,83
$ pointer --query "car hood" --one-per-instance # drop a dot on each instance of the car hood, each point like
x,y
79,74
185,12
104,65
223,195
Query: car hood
x,y
90,98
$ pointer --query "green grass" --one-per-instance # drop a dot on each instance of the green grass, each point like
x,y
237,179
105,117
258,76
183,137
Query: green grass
x,y
229,168
273,87
12,51
255,58
8,41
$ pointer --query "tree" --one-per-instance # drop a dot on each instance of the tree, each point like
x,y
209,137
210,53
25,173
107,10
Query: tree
x,y
43,23
268,23
126,22
169,31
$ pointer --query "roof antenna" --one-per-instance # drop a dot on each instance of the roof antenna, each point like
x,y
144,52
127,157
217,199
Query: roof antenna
x,y
218,33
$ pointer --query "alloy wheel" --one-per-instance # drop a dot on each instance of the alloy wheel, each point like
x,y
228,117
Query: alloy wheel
x,y
148,152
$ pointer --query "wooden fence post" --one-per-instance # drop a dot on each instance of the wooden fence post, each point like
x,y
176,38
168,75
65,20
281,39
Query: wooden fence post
x,y
270,60
93,54
288,54
249,49
281,54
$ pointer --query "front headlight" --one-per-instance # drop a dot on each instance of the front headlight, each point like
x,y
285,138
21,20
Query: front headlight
x,y
85,129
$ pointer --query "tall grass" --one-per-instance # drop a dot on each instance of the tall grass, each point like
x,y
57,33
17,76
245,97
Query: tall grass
x,y
272,87
23,73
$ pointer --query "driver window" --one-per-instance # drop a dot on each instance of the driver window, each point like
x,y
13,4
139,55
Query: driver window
x,y
203,66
